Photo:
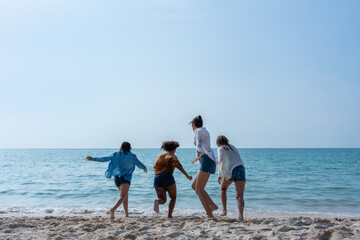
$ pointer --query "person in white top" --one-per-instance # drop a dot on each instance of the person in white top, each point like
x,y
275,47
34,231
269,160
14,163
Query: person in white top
x,y
207,160
231,168
202,143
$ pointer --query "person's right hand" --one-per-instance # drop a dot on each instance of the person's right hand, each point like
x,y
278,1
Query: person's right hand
x,y
195,160
189,177
145,170
219,180
88,158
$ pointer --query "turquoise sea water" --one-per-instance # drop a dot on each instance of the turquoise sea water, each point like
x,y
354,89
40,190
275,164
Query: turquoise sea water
x,y
322,182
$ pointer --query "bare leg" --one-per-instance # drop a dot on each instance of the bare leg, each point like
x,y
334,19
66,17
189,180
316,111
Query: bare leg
x,y
212,205
193,185
172,194
239,188
224,186
200,183
124,189
161,193
125,205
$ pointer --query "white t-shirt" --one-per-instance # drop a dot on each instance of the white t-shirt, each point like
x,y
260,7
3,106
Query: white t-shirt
x,y
202,142
228,160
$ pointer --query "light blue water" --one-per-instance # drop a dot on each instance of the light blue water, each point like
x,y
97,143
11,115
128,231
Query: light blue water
x,y
279,182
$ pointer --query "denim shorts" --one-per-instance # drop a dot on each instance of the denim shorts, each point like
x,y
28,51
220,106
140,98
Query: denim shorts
x,y
238,174
207,164
164,180
120,180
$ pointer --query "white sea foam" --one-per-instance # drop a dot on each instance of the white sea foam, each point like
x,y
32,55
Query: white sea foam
x,y
61,211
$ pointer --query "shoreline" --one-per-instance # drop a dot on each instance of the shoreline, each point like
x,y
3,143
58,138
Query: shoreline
x,y
16,211
179,227
149,212
164,214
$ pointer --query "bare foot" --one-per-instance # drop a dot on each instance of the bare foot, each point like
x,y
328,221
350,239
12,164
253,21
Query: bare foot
x,y
223,213
112,213
213,208
156,206
126,215
170,216
211,218
240,218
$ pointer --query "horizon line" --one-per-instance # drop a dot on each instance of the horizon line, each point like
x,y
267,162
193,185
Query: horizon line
x,y
45,148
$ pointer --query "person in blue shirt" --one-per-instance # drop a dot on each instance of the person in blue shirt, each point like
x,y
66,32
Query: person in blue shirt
x,y
121,166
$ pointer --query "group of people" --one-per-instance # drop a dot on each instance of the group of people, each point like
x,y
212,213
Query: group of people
x,y
230,169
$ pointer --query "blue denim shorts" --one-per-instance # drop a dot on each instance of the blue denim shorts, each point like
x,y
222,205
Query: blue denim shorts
x,y
164,180
120,180
207,164
238,174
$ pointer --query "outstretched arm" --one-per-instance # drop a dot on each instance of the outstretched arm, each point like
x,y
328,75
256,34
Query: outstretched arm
x,y
140,165
181,169
102,159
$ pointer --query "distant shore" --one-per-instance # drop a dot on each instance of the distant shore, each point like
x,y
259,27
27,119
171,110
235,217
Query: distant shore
x,y
180,227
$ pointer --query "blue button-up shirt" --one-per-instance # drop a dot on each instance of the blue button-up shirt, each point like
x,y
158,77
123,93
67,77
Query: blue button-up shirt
x,y
121,164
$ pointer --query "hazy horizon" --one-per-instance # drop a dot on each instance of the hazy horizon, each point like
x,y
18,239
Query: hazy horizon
x,y
177,148
268,74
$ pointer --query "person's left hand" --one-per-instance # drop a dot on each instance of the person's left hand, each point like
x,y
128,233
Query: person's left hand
x,y
189,177
88,158
145,170
219,180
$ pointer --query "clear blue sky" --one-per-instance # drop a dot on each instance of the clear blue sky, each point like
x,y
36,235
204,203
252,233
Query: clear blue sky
x,y
95,73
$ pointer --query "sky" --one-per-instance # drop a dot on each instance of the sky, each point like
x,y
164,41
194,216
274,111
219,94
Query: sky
x,y
266,74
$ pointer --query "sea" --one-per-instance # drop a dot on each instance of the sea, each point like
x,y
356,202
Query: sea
x,y
280,182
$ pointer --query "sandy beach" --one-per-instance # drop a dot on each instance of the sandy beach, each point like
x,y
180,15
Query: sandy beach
x,y
180,227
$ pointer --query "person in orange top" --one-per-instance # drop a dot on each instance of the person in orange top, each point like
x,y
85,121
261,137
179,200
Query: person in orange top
x,y
164,181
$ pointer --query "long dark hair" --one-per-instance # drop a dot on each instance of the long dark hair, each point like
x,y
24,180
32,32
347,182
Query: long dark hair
x,y
223,141
125,147
197,121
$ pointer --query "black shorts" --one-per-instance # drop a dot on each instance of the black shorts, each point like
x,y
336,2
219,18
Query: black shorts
x,y
120,180
163,180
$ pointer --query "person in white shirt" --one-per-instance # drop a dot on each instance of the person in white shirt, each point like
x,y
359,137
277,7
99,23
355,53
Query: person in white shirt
x,y
208,162
231,168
